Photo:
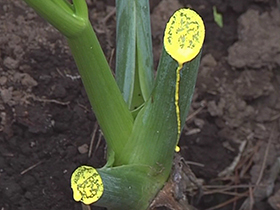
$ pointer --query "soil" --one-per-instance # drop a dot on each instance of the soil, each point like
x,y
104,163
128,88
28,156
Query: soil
x,y
231,138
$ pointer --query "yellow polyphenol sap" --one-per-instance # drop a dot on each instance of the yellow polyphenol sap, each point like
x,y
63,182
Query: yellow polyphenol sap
x,y
86,184
183,39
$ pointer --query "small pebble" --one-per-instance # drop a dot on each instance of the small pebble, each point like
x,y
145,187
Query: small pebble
x,y
6,95
10,63
28,195
83,149
3,80
28,81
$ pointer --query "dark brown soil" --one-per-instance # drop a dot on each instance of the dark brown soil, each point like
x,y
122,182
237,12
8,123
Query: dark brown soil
x,y
47,123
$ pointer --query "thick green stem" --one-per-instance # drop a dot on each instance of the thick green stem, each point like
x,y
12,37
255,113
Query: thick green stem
x,y
69,20
105,97
107,102
154,134
129,187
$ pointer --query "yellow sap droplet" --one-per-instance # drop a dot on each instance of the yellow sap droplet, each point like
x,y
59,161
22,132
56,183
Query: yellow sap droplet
x,y
86,184
183,39
184,35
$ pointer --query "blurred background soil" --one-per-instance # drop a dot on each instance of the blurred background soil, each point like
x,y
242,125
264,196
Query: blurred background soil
x,y
231,138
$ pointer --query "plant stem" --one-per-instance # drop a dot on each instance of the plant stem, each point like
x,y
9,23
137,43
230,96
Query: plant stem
x,y
60,14
154,135
134,57
107,102
104,95
129,187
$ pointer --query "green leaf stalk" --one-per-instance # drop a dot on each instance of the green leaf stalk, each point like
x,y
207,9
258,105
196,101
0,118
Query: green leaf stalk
x,y
137,113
